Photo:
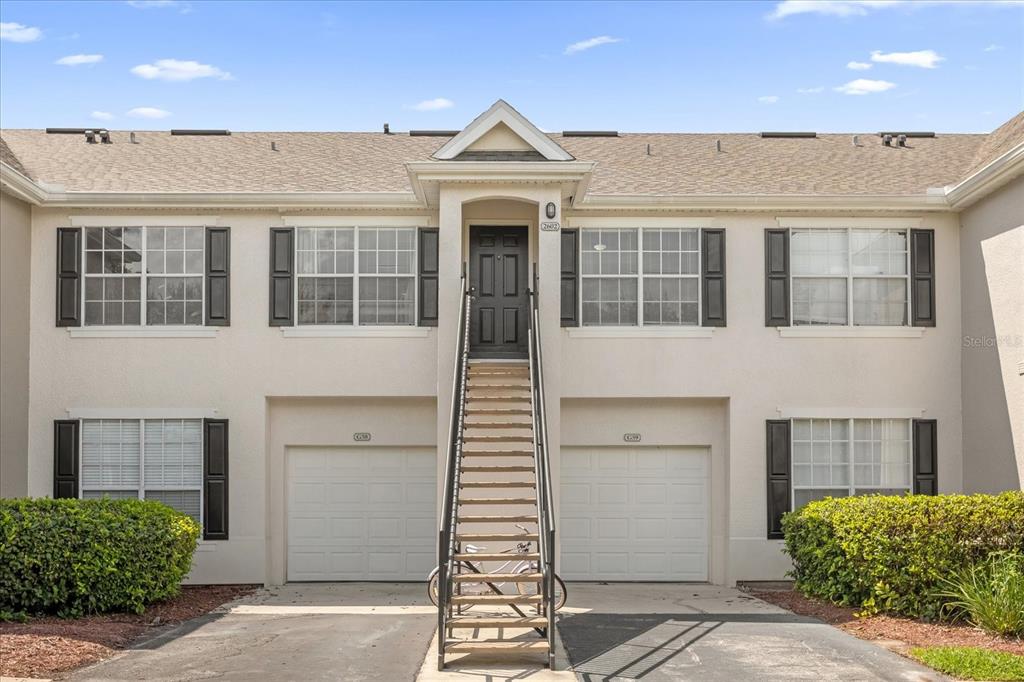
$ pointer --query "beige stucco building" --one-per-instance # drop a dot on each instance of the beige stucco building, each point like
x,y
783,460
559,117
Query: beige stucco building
x,y
260,329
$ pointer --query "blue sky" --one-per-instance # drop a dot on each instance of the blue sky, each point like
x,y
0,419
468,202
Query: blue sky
x,y
836,65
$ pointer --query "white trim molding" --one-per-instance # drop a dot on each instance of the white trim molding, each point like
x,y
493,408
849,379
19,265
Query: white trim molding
x,y
355,221
834,222
502,112
144,221
640,221
764,202
368,332
837,332
987,179
850,412
142,413
639,332
152,332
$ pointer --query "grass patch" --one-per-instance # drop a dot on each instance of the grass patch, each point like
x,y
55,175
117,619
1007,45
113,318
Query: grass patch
x,y
972,663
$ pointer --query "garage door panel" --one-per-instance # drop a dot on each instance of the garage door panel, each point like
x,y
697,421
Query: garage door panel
x,y
634,513
374,518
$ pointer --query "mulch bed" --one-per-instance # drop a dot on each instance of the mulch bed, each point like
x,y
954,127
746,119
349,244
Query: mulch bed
x,y
48,646
899,634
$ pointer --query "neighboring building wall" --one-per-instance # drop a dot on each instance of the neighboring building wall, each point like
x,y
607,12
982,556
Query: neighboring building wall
x,y
992,265
15,240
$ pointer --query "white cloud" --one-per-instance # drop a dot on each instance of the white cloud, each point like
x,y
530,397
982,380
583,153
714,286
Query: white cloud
x,y
591,42
811,91
148,112
78,59
768,99
19,33
993,48
177,70
864,86
925,59
102,115
858,66
435,104
857,8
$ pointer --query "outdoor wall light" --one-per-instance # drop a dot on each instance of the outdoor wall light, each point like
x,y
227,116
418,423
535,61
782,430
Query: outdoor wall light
x,y
549,210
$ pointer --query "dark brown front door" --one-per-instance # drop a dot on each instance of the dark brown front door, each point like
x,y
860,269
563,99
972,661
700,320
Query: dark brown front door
x,y
498,273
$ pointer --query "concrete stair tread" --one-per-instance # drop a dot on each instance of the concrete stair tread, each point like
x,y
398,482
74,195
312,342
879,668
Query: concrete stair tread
x,y
496,646
498,484
497,556
497,500
526,518
495,468
495,537
498,578
497,622
498,599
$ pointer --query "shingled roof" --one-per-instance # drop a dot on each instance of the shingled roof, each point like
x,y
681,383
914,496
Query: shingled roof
x,y
629,164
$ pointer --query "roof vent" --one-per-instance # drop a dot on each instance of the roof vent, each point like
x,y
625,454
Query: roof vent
x,y
887,140
590,133
718,145
856,140
66,131
433,133
783,134
131,138
893,133
188,131
387,129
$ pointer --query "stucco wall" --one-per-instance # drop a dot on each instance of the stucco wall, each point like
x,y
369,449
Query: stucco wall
x,y
765,376
992,262
692,391
15,238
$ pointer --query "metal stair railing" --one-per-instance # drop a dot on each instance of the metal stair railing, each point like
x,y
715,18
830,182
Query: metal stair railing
x,y
545,512
446,543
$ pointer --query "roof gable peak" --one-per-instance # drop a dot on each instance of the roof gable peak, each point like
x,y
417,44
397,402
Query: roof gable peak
x,y
502,122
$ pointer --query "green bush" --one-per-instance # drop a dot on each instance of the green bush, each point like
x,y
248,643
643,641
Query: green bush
x,y
990,594
73,557
891,553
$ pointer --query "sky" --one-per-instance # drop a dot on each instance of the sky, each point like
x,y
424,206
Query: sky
x,y
826,65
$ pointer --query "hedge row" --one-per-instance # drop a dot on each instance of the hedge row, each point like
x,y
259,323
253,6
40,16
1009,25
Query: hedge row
x,y
72,557
890,554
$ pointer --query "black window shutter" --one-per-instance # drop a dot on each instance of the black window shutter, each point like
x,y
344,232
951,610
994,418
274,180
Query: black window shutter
x,y
777,442
926,461
69,277
218,272
570,278
712,277
922,270
215,479
776,278
65,458
429,270
282,276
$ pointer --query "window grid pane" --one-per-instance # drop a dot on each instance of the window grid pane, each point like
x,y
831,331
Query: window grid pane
x,y
819,301
609,301
110,454
362,296
842,457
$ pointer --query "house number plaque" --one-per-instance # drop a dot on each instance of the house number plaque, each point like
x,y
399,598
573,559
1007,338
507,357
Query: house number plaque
x,y
361,437
549,227
631,437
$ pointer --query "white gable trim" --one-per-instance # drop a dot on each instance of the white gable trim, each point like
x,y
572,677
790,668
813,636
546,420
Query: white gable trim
x,y
502,112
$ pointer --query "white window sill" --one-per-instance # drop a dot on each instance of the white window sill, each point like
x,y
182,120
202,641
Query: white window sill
x,y
355,332
640,332
812,332
207,546
142,332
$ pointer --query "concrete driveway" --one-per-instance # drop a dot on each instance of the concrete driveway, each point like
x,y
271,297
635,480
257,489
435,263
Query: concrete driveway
x,y
329,631
656,632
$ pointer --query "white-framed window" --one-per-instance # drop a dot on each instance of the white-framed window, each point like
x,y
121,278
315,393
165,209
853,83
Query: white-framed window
x,y
843,457
149,459
850,276
356,275
144,276
640,276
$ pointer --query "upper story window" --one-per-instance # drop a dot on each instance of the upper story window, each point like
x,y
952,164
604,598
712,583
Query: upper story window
x,y
151,459
850,277
843,457
144,275
356,275
640,276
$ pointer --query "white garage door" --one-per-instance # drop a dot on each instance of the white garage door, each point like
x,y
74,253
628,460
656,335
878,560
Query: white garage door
x,y
634,513
361,514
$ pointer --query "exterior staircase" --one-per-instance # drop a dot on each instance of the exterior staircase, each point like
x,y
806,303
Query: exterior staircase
x,y
497,498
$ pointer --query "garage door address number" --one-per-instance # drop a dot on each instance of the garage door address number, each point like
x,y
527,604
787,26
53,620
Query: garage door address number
x,y
631,437
361,437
